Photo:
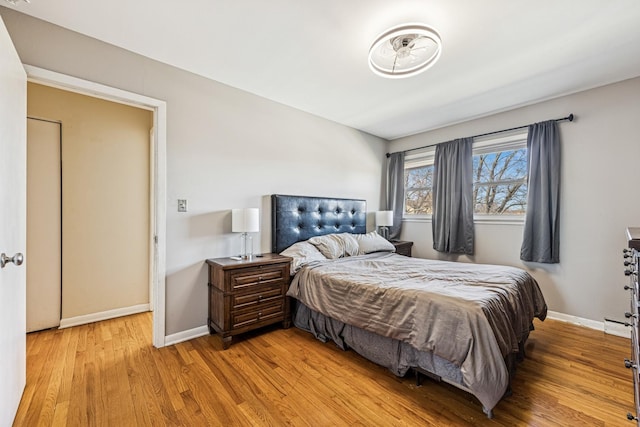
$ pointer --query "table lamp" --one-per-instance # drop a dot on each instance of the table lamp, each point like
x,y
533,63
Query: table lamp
x,y
245,220
384,220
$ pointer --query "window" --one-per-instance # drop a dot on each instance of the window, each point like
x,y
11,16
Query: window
x,y
500,182
499,177
418,182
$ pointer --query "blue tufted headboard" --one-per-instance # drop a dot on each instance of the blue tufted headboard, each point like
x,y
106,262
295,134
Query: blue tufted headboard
x,y
298,218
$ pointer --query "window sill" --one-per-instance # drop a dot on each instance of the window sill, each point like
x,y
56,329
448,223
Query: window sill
x,y
499,219
417,218
478,219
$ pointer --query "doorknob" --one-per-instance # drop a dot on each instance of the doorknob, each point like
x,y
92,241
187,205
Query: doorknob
x,y
16,259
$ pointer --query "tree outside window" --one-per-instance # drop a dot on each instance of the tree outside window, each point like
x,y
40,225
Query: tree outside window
x,y
500,183
418,184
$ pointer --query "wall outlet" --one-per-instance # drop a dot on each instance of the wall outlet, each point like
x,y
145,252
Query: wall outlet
x,y
182,205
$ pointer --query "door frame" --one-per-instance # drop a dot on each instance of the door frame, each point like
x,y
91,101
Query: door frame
x,y
158,187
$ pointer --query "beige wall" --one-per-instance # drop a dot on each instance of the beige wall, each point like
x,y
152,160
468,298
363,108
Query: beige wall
x,y
105,199
599,198
225,149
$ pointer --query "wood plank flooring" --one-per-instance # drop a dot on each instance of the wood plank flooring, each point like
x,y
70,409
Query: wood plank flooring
x,y
109,374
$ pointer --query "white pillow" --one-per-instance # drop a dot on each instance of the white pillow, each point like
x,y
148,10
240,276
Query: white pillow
x,y
373,242
335,246
302,254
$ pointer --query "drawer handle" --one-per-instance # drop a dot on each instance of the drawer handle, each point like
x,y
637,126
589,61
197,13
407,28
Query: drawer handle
x,y
259,315
259,297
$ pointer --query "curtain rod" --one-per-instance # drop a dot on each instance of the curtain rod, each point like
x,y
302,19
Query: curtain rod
x,y
569,118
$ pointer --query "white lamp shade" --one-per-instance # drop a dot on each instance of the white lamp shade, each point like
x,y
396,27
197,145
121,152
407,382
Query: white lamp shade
x,y
246,220
384,218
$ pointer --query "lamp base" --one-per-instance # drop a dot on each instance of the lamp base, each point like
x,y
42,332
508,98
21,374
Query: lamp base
x,y
246,246
384,232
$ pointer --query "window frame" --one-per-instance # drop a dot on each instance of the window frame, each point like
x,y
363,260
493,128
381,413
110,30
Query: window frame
x,y
504,141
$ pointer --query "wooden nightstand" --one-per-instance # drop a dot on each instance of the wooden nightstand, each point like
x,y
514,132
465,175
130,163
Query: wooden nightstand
x,y
402,247
248,294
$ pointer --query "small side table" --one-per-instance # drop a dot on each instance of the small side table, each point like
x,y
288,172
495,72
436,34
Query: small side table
x,y
247,294
402,247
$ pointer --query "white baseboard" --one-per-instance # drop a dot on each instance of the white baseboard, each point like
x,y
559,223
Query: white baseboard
x,y
103,315
617,329
186,335
607,327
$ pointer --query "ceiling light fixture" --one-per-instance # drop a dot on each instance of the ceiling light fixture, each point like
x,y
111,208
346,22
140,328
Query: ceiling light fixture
x,y
404,51
15,2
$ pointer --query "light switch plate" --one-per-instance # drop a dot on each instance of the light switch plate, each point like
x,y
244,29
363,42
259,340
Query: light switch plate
x,y
182,205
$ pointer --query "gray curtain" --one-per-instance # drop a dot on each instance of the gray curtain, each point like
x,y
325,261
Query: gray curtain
x,y
395,192
452,219
541,241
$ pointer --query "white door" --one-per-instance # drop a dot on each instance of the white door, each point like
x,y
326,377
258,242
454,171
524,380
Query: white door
x,y
13,219
43,225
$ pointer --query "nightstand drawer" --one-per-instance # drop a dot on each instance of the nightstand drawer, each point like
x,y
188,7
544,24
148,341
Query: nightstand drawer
x,y
261,295
261,313
241,280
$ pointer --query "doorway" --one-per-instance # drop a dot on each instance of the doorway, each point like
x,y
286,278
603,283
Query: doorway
x,y
105,205
157,227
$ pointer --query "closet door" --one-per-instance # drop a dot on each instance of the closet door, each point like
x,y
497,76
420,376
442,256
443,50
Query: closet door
x,y
44,269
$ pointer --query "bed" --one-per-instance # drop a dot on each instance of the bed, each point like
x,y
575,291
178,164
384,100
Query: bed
x,y
465,324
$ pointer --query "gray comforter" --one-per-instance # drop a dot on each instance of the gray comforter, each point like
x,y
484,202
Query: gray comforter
x,y
472,315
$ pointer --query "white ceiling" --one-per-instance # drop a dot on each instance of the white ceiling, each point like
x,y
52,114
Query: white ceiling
x,y
312,55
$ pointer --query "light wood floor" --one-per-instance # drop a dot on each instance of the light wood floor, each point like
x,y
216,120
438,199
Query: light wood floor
x,y
108,374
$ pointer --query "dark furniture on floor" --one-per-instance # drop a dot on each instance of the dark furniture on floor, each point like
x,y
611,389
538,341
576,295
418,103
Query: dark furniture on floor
x,y
298,218
632,268
247,294
402,247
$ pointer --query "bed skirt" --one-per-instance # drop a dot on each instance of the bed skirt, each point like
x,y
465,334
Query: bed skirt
x,y
397,356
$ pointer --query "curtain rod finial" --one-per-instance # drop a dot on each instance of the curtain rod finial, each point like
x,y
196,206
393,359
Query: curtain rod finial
x,y
388,155
571,117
